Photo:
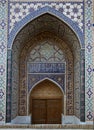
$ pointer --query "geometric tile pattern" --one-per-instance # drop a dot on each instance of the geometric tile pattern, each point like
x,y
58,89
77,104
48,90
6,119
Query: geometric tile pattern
x,y
19,10
3,56
88,60
46,52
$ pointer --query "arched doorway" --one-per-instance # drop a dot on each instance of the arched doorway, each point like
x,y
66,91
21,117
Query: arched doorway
x,y
42,35
46,103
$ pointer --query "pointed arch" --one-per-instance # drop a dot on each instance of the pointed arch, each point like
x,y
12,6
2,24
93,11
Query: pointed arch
x,y
46,10
45,89
48,79
40,12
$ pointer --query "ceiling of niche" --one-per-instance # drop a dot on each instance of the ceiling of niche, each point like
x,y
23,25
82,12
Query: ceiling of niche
x,y
47,23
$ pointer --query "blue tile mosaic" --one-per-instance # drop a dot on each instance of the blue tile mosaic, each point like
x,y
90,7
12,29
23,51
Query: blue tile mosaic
x,y
46,68
61,11
35,78
88,60
18,25
3,58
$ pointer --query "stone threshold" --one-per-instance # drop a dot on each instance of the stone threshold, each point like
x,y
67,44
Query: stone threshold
x,y
48,126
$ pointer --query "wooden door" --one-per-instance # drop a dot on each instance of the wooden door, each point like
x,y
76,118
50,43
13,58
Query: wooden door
x,y
46,111
54,107
39,111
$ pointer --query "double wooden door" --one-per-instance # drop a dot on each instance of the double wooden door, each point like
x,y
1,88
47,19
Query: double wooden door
x,y
46,111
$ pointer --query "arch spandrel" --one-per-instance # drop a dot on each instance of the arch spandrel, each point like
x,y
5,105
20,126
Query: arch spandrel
x,y
45,10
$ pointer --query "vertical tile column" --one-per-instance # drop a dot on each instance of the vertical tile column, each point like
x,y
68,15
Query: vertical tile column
x,y
88,60
82,88
3,59
8,89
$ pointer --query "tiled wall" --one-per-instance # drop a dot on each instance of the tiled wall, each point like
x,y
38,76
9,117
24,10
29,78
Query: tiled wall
x,y
70,12
3,58
15,81
18,10
77,79
46,55
70,7
89,94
